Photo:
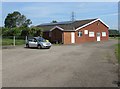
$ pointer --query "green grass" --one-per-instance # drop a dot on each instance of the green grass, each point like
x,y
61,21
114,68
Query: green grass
x,y
7,41
117,52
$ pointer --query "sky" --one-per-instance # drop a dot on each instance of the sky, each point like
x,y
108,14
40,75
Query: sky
x,y
45,12
60,0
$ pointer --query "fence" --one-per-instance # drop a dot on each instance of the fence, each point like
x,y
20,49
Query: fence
x,y
13,40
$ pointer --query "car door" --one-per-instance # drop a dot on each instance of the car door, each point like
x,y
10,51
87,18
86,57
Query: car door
x,y
33,43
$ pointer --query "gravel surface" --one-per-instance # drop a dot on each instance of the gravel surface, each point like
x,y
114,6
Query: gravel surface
x,y
86,65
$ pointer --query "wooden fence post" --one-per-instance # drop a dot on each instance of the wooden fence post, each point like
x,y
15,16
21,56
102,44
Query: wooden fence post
x,y
26,39
13,40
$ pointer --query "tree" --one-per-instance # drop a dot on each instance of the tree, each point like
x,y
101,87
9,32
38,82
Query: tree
x,y
36,31
25,32
11,32
16,19
0,30
54,21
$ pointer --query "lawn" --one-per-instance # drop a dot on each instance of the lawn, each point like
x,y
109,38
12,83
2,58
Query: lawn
x,y
117,52
6,41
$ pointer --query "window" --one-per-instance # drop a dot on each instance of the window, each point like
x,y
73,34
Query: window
x,y
79,34
103,34
35,40
85,31
91,34
41,39
98,34
31,40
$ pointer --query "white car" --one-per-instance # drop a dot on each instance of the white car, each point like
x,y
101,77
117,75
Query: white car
x,y
38,42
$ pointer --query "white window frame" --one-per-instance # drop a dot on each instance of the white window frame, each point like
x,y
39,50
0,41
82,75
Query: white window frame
x,y
104,34
91,34
85,32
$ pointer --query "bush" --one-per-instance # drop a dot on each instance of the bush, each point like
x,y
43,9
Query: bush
x,y
0,30
35,31
11,31
25,32
22,31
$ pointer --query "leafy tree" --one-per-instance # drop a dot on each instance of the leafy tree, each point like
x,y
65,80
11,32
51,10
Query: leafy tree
x,y
0,30
16,19
38,33
25,32
11,31
5,31
54,21
35,31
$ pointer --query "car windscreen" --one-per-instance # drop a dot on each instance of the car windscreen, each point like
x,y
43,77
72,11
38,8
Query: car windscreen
x,y
41,39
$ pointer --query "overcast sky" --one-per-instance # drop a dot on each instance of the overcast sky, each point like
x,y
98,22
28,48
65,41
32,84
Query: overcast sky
x,y
44,12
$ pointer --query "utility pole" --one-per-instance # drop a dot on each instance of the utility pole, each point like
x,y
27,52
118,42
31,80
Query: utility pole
x,y
72,19
73,16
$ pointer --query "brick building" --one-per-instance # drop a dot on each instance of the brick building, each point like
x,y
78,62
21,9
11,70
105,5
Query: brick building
x,y
78,31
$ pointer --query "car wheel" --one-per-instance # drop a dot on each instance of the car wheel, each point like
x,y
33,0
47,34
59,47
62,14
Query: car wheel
x,y
39,47
27,45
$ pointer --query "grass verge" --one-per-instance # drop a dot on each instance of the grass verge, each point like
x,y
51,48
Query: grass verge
x,y
7,41
117,52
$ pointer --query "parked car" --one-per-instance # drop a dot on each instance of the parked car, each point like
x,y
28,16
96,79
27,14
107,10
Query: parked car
x,y
38,42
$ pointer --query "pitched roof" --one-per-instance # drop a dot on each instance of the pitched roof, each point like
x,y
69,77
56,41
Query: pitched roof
x,y
66,25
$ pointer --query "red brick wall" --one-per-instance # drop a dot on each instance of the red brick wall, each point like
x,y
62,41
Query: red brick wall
x,y
57,34
92,27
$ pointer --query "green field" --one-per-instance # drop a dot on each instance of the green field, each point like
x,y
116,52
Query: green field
x,y
7,41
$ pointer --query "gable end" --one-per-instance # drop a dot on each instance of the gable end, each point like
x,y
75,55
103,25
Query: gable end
x,y
92,23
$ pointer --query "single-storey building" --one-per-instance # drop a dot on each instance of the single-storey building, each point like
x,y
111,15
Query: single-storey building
x,y
78,31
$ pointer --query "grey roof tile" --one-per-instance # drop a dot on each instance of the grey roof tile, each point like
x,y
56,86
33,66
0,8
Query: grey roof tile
x,y
66,25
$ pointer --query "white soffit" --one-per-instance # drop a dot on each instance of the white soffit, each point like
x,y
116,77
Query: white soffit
x,y
57,27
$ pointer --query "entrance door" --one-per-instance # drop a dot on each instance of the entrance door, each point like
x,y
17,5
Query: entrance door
x,y
98,36
72,37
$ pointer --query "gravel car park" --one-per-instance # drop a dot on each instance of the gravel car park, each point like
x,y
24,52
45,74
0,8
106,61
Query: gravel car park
x,y
85,65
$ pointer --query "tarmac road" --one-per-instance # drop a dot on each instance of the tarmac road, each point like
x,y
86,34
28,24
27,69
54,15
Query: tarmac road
x,y
86,65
